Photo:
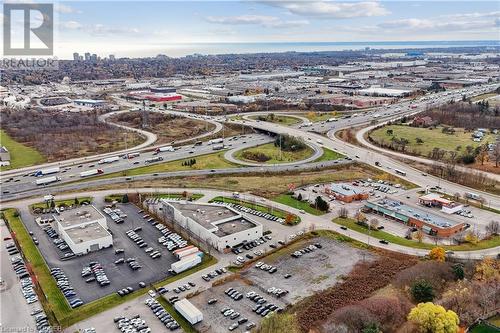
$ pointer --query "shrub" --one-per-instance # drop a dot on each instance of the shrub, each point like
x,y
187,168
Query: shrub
x,y
422,291
437,254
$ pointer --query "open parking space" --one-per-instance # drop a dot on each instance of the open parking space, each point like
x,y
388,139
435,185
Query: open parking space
x,y
321,266
215,321
314,270
120,275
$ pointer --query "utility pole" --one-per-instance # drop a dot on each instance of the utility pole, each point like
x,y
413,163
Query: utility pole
x,y
145,117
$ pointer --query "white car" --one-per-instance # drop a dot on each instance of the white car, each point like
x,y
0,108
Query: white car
x,y
151,293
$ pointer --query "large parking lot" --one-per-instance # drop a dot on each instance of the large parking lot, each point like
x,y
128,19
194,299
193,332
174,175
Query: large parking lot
x,y
119,275
297,277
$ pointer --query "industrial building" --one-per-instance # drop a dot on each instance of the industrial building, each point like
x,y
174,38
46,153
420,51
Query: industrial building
x,y
218,225
390,92
346,192
89,102
414,217
83,229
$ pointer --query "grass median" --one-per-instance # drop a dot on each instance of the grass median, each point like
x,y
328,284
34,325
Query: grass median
x,y
65,202
493,241
329,155
210,161
271,154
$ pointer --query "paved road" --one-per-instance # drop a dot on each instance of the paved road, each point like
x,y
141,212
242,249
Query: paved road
x,y
72,173
229,155
144,147
360,136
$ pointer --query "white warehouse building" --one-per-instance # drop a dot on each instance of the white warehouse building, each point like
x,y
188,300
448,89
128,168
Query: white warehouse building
x,y
84,229
218,225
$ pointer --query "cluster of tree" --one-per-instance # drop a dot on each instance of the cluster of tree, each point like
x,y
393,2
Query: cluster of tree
x,y
471,178
189,162
61,135
321,204
289,143
463,115
363,280
255,156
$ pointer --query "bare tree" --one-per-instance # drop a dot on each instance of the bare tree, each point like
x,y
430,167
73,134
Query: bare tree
x,y
493,228
343,212
374,223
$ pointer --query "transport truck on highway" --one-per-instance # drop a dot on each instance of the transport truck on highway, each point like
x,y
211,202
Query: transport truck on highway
x,y
91,172
218,147
109,160
329,120
47,171
154,159
164,149
47,180
131,155
215,141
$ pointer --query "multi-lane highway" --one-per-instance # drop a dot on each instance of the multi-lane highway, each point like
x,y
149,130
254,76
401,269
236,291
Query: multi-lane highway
x,y
26,181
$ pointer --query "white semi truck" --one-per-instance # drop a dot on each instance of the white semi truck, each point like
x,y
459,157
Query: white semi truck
x,y
47,171
47,180
215,141
164,149
91,172
109,160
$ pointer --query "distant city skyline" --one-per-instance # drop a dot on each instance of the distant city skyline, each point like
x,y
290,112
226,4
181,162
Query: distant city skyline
x,y
174,28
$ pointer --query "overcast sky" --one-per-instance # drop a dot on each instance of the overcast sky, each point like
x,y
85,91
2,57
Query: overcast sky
x,y
133,28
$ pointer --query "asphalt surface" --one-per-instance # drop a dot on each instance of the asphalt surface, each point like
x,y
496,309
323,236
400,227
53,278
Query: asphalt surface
x,y
22,183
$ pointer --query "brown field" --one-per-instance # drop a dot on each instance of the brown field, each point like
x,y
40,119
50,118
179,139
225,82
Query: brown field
x,y
168,127
63,135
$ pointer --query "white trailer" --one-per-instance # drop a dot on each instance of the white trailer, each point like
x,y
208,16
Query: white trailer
x,y
329,120
47,171
186,252
163,149
188,311
218,147
91,172
186,263
47,180
109,160
215,141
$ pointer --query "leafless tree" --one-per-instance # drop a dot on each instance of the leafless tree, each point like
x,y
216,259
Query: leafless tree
x,y
493,228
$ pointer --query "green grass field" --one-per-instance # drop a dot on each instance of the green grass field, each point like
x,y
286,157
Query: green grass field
x,y
57,307
329,155
273,152
288,200
261,208
203,162
320,116
20,155
279,119
66,202
379,234
193,196
433,138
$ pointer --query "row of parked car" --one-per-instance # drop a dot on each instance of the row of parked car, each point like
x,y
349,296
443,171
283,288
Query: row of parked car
x,y
233,315
234,294
184,287
238,207
265,267
307,249
95,272
132,325
171,240
214,274
136,238
261,308
162,315
28,290
63,283
278,292
41,321
251,244
115,214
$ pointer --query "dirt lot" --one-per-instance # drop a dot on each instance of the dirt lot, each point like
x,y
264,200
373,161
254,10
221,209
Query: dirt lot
x,y
168,127
312,272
